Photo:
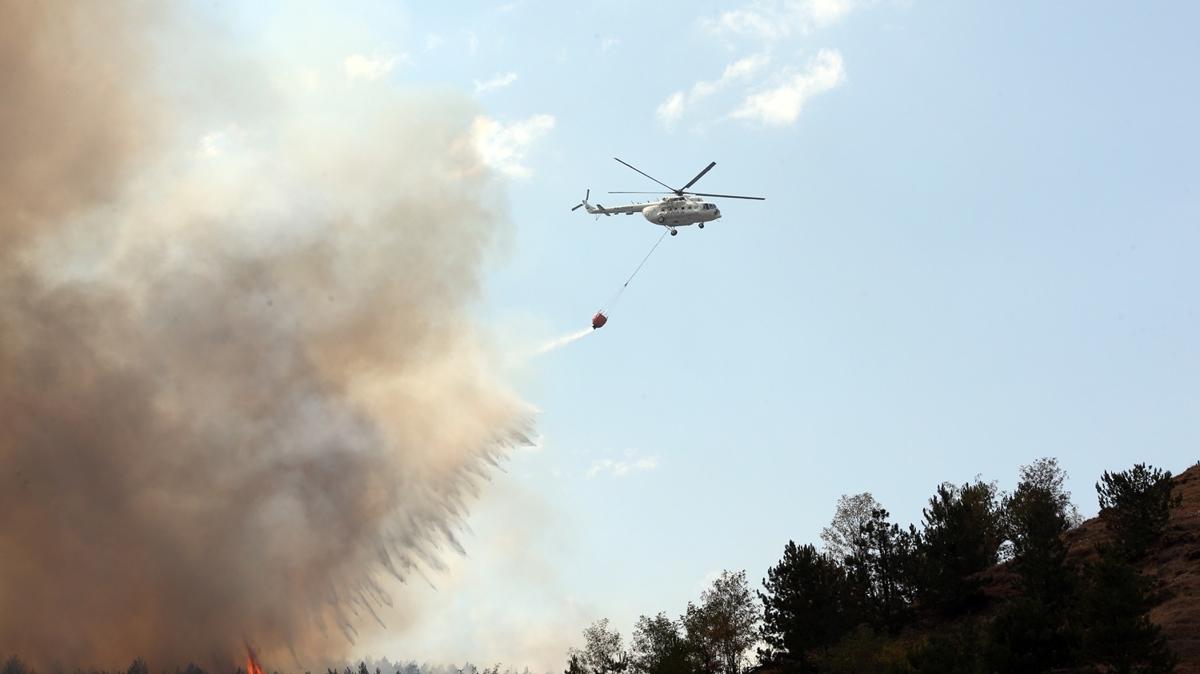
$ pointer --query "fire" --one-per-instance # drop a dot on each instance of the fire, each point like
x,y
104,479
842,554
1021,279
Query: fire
x,y
252,666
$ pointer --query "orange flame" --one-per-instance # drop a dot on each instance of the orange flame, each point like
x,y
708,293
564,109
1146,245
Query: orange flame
x,y
252,666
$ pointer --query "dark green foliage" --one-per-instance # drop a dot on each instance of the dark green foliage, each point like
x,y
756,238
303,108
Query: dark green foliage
x,y
1028,636
881,570
864,651
961,537
659,647
1036,516
1117,635
958,650
1135,504
1034,633
807,607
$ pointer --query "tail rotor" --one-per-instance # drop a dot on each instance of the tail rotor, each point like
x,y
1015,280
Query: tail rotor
x,y
583,203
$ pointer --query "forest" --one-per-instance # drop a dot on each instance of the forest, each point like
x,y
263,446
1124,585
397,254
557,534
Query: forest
x,y
984,584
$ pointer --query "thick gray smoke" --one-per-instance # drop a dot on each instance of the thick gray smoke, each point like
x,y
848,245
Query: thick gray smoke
x,y
239,386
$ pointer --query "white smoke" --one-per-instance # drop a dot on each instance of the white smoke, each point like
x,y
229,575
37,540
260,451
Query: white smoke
x,y
239,381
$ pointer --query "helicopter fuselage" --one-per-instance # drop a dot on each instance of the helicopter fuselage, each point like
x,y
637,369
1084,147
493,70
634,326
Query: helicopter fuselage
x,y
669,212
681,211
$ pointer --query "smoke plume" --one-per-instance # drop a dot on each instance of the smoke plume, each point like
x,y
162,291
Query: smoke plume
x,y
239,385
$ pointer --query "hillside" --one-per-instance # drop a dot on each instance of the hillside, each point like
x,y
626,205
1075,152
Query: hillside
x,y
1174,563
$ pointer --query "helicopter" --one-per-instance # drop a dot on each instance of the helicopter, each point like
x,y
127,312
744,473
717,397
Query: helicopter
x,y
679,209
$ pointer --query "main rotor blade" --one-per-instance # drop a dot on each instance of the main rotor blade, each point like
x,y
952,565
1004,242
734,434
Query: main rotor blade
x,y
673,190
641,193
698,176
726,196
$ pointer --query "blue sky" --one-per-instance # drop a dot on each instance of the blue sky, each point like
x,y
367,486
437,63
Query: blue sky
x,y
979,248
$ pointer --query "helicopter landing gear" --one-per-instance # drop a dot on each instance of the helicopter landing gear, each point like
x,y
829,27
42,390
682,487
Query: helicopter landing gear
x,y
701,225
674,231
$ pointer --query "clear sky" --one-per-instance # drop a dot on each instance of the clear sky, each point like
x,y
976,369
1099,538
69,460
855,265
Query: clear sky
x,y
979,247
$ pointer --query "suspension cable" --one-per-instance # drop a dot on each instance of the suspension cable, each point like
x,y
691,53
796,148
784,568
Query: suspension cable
x,y
613,300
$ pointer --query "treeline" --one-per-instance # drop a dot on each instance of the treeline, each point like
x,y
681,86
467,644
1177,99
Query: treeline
x,y
14,665
385,666
878,597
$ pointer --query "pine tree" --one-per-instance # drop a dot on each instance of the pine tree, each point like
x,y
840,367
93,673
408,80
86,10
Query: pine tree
x,y
881,570
1135,504
958,650
1033,633
961,537
1028,636
1036,516
1114,611
806,607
